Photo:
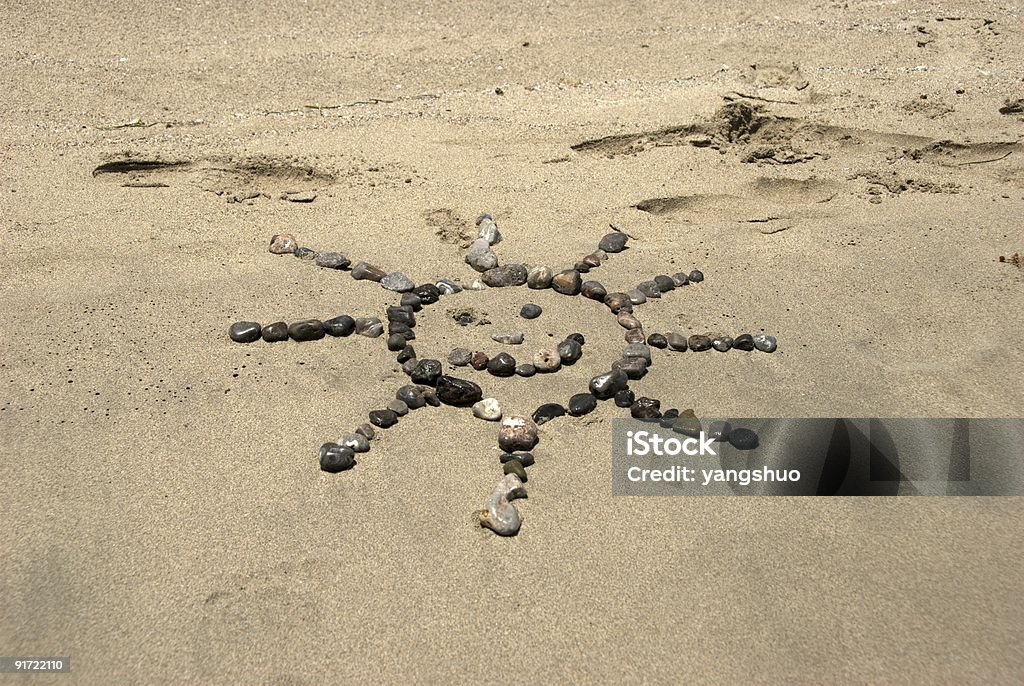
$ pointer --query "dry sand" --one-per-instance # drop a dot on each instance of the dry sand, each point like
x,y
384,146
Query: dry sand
x,y
164,519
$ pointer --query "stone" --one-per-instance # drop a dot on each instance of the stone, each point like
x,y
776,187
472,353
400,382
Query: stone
x,y
306,330
398,282
581,404
605,386
636,297
743,439
634,368
539,278
428,293
547,361
664,283
427,372
367,272
688,424
591,261
403,315
383,418
657,340
581,267
396,342
244,332
567,282
488,408
526,370
680,279
570,351
517,433
502,364
283,244
645,408
458,392
409,366
480,256
357,442
514,466
488,230
412,396
332,260
699,343
513,338
613,242
479,360
593,290
649,289
476,285
625,398
505,276
407,353
411,300
530,311
676,341
366,430
499,515
667,417
446,287
628,321
765,343
600,254
305,253
335,458
618,302
638,350
273,333
721,343
430,395
398,407
744,342
719,430
696,276
342,325
635,336
525,459
371,327
546,412
578,337
459,357
402,329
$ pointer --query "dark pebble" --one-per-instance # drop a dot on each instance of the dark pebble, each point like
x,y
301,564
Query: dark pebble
x,y
665,283
396,342
594,291
332,260
404,330
428,293
696,276
336,458
765,344
459,357
699,343
613,242
371,327
645,408
409,366
427,372
547,412
514,466
592,261
306,330
567,282
506,275
687,424
366,431
340,326
408,353
667,417
367,272
526,370
680,279
677,342
412,300
525,459
458,392
446,287
578,337
625,398
502,364
570,351
305,253
634,367
383,418
635,336
604,386
530,311
278,331
581,267
412,396
649,289
401,315
657,340
244,332
581,404
430,395
721,343
743,439
479,360
618,302
744,342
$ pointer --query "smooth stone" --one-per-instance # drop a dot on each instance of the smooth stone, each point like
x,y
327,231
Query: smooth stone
x,y
283,244
336,458
502,364
402,329
539,278
366,430
245,332
430,395
458,392
505,276
667,417
657,340
409,366
398,407
688,425
411,300
649,289
664,283
605,386
593,290
426,372
721,343
525,459
514,466
600,254
638,350
517,433
617,302
719,430
514,338
500,515
459,357
488,230
696,276
398,282
680,279
581,404
476,285
547,412
635,336
526,370
305,253
428,293
306,330
765,343
479,360
581,267
357,442
591,261
488,408
446,287
613,242
332,260
412,396
625,398
743,439
547,361
645,408
407,353
677,342
530,311
570,351
371,327
636,297
578,337
342,325
480,256
383,418
402,315
744,342
396,342
699,343
567,282
363,271
634,368
278,331
628,321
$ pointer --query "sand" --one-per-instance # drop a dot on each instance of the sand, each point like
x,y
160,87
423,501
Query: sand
x,y
165,520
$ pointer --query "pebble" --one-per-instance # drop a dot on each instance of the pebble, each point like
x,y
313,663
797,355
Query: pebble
x,y
366,430
696,276
530,311
383,418
578,337
305,253
645,408
409,366
594,291
547,361
600,254
636,297
404,330
526,370
628,321
501,516
546,412
244,332
618,302
476,285
638,350
446,287
336,458
567,282
332,260
514,338
506,275
687,424
581,404
719,430
657,340
525,459
649,289
426,372
721,343
430,395
412,396
357,442
677,342
342,325
488,408
605,386
581,267
635,336
502,364
459,357
480,256
428,293
283,244
680,279
699,343
488,230
591,261
458,392
613,242
517,433
765,343
743,439
412,300
396,342
407,353
635,368
625,398
664,283
278,331
306,330
371,327
515,467
570,351
539,277
398,407
398,282
668,417
744,342
403,315
367,272
479,360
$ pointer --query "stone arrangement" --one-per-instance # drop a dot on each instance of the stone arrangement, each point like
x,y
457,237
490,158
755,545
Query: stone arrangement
x,y
517,436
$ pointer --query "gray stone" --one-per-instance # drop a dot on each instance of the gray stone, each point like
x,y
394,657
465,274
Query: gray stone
x,y
539,277
371,327
459,357
332,260
357,442
480,256
765,343
638,350
604,386
504,276
613,242
398,282
513,338
367,272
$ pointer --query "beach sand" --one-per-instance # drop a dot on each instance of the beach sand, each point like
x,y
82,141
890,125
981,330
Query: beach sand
x,y
165,519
